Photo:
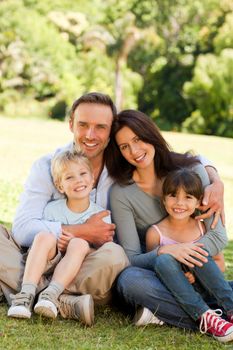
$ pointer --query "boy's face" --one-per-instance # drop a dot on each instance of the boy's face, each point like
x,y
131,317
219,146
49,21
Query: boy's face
x,y
76,181
91,126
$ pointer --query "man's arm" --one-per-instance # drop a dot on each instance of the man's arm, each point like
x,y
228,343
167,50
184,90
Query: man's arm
x,y
38,191
95,230
213,200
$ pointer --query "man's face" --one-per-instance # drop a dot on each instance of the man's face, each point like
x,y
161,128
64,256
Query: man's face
x,y
91,126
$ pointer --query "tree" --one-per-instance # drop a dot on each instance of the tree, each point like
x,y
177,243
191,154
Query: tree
x,y
211,92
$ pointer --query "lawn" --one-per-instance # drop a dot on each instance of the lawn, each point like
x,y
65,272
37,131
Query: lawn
x,y
22,141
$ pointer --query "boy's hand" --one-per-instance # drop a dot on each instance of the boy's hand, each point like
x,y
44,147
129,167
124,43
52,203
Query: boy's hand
x,y
63,240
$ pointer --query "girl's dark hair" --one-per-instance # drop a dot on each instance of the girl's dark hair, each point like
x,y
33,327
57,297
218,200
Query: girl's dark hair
x,y
183,178
165,159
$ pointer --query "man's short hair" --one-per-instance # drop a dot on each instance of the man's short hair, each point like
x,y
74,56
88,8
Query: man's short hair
x,y
95,98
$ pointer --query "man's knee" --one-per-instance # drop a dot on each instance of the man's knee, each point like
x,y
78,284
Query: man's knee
x,y
112,254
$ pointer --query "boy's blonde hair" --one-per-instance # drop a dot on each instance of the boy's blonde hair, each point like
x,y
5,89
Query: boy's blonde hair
x,y
61,161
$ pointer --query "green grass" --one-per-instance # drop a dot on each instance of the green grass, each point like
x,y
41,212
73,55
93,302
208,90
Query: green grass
x,y
21,142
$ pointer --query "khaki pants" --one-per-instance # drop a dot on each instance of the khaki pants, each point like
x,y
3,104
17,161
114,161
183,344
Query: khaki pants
x,y
96,276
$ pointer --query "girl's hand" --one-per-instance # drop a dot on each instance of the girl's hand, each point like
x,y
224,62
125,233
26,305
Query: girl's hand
x,y
190,277
190,254
63,240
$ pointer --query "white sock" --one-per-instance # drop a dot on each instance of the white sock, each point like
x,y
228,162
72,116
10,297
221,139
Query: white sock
x,y
55,288
29,288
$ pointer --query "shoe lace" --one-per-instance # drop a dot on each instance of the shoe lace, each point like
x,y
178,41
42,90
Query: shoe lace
x,y
212,319
21,299
50,297
66,308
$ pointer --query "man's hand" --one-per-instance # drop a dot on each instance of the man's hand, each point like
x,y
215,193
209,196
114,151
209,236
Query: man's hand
x,y
190,254
100,232
94,230
63,240
212,203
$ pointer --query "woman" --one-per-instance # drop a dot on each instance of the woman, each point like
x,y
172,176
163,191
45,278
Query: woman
x,y
141,159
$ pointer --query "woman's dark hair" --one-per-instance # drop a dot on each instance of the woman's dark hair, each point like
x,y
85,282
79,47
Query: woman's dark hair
x,y
183,178
165,159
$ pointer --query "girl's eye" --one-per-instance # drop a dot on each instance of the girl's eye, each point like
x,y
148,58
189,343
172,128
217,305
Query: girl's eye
x,y
124,147
83,173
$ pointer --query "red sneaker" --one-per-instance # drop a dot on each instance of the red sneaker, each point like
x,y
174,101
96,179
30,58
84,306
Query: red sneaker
x,y
212,323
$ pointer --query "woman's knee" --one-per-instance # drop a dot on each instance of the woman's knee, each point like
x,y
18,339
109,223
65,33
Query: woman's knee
x,y
113,254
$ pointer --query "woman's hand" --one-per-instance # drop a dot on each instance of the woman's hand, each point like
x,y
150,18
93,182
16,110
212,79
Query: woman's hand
x,y
190,254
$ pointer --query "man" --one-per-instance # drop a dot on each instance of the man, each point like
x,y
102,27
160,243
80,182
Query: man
x,y
90,121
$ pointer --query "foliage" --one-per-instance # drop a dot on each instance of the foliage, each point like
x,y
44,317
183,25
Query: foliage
x,y
211,91
140,52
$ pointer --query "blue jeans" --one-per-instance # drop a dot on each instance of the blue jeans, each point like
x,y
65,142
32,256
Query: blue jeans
x,y
170,272
137,286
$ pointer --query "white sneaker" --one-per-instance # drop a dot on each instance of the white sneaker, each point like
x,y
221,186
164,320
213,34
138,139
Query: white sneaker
x,y
46,305
21,305
144,316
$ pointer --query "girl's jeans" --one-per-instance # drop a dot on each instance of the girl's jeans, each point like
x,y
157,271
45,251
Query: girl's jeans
x,y
183,305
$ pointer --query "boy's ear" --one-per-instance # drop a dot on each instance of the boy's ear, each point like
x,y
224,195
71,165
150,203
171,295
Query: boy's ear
x,y
59,187
93,179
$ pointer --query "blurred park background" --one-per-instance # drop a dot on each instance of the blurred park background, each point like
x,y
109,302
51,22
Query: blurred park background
x,y
172,59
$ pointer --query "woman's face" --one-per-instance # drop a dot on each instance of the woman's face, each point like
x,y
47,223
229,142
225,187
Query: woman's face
x,y
134,150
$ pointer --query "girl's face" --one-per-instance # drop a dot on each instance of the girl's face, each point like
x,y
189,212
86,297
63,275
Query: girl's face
x,y
134,150
76,181
180,205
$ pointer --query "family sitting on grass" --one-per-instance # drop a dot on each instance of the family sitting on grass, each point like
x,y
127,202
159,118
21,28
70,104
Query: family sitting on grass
x,y
166,263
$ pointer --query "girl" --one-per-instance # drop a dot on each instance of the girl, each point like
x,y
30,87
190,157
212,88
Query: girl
x,y
182,193
72,175
141,159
